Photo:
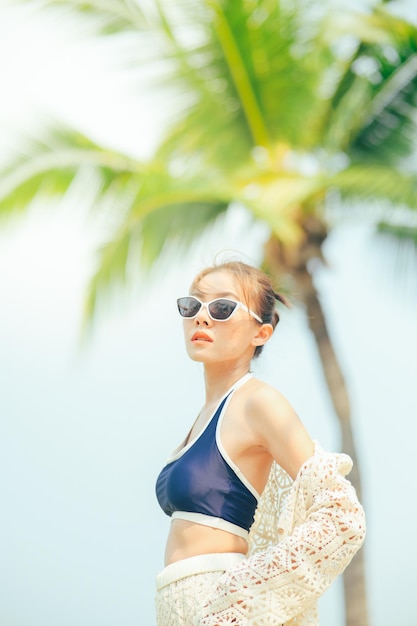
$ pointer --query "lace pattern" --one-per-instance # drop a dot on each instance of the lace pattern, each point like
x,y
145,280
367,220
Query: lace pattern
x,y
265,529
178,604
302,539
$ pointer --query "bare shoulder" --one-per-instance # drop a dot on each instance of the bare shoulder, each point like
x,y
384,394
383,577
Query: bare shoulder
x,y
265,402
277,426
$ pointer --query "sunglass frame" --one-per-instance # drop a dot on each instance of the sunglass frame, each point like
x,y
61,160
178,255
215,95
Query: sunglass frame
x,y
239,305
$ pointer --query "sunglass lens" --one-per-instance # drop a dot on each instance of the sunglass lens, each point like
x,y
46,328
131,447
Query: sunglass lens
x,y
222,309
188,307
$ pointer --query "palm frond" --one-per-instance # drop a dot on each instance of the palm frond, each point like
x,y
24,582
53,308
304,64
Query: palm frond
x,y
154,225
373,182
346,119
241,75
110,16
48,165
232,43
401,232
372,113
396,241
279,200
163,210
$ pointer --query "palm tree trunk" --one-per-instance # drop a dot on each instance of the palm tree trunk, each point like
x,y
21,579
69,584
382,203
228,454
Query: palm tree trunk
x,y
354,576
279,261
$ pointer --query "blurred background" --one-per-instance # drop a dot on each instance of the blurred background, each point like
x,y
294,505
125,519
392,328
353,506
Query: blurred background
x,y
87,420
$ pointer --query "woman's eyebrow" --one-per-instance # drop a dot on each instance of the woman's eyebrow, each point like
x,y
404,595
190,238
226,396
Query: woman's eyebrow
x,y
217,294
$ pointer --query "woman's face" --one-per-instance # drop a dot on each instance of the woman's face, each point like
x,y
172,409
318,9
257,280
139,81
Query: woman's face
x,y
211,341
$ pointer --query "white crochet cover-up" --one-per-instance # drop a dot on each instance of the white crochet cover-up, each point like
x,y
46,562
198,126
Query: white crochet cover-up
x,y
305,534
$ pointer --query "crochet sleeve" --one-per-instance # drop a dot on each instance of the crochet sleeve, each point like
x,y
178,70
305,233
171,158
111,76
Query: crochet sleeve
x,y
322,526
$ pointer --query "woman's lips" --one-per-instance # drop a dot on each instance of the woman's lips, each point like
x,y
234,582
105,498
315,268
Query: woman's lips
x,y
199,336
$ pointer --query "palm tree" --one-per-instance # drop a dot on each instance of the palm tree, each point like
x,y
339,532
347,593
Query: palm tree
x,y
279,107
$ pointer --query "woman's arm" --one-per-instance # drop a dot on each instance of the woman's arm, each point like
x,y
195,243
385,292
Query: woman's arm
x,y
322,527
278,429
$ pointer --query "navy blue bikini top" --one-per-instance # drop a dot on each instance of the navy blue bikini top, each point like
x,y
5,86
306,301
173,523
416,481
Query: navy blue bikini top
x,y
201,483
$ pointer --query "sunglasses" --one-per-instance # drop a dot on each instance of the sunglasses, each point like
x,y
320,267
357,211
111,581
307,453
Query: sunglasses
x,y
219,310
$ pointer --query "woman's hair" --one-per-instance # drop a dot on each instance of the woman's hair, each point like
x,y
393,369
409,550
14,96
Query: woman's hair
x,y
257,288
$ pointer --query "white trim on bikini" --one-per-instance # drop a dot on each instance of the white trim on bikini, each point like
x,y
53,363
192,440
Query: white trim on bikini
x,y
177,454
213,522
226,457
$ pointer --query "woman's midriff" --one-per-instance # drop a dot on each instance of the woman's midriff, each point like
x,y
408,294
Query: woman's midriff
x,y
186,539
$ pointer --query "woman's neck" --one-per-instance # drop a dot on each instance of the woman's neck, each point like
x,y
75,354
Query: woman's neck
x,y
219,380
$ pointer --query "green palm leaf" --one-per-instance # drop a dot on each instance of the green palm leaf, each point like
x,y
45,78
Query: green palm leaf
x,y
109,16
377,182
49,166
371,114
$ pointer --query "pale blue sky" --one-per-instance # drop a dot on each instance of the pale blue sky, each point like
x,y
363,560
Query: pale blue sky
x,y
83,434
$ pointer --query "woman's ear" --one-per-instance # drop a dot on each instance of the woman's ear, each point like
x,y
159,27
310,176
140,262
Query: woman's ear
x,y
262,335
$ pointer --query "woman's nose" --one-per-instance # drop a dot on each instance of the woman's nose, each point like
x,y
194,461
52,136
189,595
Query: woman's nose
x,y
202,317
202,320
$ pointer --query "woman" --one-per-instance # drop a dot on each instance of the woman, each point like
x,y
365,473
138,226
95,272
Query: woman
x,y
216,571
